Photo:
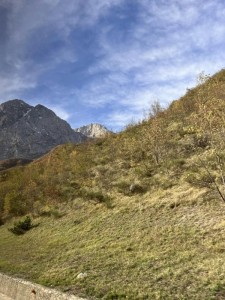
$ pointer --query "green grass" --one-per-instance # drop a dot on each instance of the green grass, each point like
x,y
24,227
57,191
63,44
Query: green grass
x,y
167,245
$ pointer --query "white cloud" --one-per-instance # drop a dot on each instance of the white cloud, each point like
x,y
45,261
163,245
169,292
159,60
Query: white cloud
x,y
31,22
157,56
169,46
61,16
11,86
60,111
120,119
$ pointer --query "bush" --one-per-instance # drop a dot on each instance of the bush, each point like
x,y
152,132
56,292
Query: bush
x,y
1,222
200,179
201,140
136,188
115,296
97,196
145,171
167,184
123,187
48,211
129,189
22,226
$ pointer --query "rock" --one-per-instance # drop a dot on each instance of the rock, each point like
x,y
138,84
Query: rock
x,y
82,275
136,188
93,130
132,188
27,132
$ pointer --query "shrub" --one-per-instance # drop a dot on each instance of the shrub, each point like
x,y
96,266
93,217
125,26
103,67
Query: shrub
x,y
22,226
128,188
200,179
116,296
145,171
167,184
123,187
48,211
1,222
57,214
201,140
14,203
97,196
136,188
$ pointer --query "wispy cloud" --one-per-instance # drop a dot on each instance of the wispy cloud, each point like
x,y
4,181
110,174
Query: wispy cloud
x,y
33,26
121,119
108,59
11,86
168,47
60,112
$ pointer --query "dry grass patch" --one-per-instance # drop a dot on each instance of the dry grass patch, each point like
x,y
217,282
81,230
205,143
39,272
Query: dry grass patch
x,y
134,251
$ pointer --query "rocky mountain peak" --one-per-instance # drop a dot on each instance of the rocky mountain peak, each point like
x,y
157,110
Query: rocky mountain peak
x,y
11,111
14,102
42,108
28,132
93,130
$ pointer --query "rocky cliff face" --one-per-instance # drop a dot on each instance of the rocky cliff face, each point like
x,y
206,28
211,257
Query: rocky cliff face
x,y
29,132
93,130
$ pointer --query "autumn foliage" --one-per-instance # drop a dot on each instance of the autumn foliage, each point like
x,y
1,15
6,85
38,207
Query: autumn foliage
x,y
183,142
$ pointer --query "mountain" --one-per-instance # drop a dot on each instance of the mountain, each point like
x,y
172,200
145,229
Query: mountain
x,y
140,213
93,130
31,131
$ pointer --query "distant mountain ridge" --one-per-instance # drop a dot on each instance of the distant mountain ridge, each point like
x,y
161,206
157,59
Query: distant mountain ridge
x,y
29,131
93,130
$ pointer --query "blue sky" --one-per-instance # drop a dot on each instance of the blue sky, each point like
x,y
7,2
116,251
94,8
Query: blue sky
x,y
106,61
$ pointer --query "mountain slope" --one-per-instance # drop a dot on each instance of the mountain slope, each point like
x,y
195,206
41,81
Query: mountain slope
x,y
28,132
140,211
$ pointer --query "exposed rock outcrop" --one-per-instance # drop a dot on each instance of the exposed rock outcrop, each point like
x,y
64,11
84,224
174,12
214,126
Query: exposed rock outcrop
x,y
29,132
93,130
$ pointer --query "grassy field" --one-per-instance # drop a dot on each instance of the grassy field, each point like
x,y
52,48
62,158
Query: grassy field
x,y
166,245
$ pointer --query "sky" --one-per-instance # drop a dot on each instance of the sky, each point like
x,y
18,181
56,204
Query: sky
x,y
106,61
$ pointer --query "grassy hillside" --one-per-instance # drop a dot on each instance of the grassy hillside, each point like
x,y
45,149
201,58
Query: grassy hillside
x,y
141,212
